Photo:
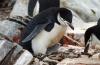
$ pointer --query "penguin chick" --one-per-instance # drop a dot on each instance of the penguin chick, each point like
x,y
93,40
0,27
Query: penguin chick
x,y
46,29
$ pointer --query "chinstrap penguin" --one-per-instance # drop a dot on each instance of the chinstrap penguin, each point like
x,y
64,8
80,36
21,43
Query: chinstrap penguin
x,y
46,29
92,35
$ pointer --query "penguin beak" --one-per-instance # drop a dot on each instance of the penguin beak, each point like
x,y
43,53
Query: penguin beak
x,y
72,27
69,24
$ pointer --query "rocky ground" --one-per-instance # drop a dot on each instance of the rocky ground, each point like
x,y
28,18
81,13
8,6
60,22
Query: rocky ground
x,y
4,12
70,53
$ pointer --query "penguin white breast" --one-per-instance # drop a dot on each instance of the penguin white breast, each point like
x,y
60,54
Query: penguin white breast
x,y
46,39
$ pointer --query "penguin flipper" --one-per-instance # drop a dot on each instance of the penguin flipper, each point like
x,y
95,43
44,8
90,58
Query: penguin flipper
x,y
36,30
49,27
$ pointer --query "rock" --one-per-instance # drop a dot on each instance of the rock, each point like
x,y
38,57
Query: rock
x,y
76,61
50,61
9,52
6,46
96,56
9,29
88,10
25,58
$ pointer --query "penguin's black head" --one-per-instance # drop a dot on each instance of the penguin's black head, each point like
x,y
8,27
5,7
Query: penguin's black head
x,y
66,15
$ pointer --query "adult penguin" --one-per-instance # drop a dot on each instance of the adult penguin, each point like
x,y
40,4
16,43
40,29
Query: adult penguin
x,y
92,34
46,29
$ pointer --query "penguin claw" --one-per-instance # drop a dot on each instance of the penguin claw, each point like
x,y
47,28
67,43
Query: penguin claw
x,y
40,56
86,51
89,55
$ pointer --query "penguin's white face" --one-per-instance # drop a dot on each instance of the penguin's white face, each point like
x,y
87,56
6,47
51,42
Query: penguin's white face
x,y
61,20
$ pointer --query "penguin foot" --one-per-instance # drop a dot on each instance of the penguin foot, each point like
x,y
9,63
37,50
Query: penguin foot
x,y
86,51
53,49
89,55
40,56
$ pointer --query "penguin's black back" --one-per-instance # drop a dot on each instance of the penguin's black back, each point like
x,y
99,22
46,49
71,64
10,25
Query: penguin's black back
x,y
41,18
97,31
92,30
87,35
